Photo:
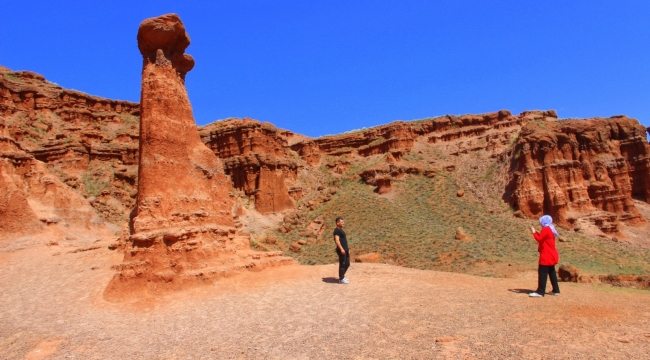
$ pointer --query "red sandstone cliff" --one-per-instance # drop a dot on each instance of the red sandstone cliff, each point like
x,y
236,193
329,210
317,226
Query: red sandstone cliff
x,y
578,170
256,157
182,230
36,208
89,143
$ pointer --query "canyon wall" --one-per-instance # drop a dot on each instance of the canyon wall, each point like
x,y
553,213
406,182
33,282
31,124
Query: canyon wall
x,y
89,143
582,169
256,157
36,208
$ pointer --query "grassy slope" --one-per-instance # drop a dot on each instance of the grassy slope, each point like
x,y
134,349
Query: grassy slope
x,y
417,225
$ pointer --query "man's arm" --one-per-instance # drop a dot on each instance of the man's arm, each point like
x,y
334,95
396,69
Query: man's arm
x,y
338,244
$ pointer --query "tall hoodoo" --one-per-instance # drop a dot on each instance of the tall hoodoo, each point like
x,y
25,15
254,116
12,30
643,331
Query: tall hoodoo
x,y
182,228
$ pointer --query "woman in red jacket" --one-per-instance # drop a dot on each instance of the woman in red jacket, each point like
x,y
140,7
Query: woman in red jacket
x,y
548,256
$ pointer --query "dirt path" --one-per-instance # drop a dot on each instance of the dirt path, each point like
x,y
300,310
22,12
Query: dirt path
x,y
52,307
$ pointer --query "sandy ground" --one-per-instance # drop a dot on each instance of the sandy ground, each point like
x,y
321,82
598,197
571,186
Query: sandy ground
x,y
52,307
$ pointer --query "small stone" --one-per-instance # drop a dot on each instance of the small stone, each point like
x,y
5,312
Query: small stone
x,y
460,234
460,193
295,247
302,242
271,239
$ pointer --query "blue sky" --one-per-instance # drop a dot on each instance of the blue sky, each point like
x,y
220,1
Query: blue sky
x,y
325,67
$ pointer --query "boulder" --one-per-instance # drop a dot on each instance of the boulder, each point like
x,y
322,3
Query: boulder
x,y
295,247
569,273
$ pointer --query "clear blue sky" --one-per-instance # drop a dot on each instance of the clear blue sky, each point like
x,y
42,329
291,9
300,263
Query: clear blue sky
x,y
325,67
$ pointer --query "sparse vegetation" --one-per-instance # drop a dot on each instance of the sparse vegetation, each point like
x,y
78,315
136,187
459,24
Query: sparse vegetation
x,y
416,228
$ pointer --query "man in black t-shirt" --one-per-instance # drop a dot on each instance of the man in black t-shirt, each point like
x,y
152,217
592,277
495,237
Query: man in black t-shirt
x,y
342,250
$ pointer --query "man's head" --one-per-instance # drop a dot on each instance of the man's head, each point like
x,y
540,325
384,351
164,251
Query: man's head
x,y
340,222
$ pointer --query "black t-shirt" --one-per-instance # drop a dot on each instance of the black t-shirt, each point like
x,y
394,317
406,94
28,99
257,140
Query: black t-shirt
x,y
342,239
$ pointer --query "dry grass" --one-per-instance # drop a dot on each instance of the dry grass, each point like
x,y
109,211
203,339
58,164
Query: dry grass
x,y
416,228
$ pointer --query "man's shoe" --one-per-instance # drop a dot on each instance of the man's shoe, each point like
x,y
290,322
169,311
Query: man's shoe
x,y
344,281
347,281
534,294
554,293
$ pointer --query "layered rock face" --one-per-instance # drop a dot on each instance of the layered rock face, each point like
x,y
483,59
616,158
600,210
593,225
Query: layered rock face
x,y
36,208
182,229
491,132
255,157
579,170
89,143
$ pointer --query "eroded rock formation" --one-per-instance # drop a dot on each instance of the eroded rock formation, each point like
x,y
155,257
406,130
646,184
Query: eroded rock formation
x,y
582,169
255,157
36,208
182,230
89,143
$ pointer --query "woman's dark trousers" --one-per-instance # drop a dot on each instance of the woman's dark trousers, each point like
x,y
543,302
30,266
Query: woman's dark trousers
x,y
344,262
544,272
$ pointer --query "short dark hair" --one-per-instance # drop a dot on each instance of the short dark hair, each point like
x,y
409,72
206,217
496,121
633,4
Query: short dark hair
x,y
338,219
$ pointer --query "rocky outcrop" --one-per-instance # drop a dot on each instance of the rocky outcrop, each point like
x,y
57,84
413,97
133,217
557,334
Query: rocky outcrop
x,y
86,141
382,174
37,208
576,169
182,230
255,157
490,132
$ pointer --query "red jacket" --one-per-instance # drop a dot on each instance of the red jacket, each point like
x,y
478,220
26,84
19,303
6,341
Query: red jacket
x,y
547,253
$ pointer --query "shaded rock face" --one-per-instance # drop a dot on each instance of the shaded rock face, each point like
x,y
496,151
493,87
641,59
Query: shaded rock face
x,y
89,143
36,207
577,169
255,157
182,230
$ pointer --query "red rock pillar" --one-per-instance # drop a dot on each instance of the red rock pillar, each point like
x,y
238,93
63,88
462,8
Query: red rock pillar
x,y
182,229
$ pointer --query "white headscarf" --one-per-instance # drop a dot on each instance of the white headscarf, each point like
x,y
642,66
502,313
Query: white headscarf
x,y
547,220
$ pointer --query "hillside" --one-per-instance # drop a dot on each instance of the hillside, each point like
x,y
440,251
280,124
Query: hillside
x,y
398,185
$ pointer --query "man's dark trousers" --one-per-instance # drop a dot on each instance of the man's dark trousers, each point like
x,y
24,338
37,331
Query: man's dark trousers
x,y
344,262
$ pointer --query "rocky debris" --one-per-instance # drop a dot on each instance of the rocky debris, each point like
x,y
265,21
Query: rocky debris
x,y
460,193
316,227
460,234
568,272
271,239
576,168
295,247
302,242
382,175
369,258
182,230
255,156
631,281
519,214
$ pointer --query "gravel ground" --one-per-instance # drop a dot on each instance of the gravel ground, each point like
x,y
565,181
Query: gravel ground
x,y
52,307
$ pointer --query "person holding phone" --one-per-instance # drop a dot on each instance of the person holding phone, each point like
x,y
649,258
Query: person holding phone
x,y
548,256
